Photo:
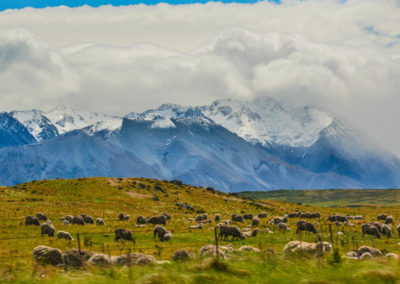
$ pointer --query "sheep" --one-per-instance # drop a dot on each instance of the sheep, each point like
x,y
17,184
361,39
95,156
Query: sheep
x,y
305,226
41,216
304,248
69,218
162,233
48,255
252,233
268,231
88,219
199,226
32,220
249,248
125,235
208,250
217,218
386,230
141,220
123,217
381,217
358,217
158,220
338,224
64,235
47,229
373,251
168,216
78,220
248,216
99,259
310,215
370,230
389,220
277,220
181,255
237,218
205,221
66,222
99,222
283,226
229,222
339,218
262,215
226,230
294,214
255,221
201,217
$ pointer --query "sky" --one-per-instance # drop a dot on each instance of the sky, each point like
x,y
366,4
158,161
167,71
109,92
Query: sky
x,y
341,55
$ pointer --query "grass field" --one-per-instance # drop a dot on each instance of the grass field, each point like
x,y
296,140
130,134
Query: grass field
x,y
106,197
331,197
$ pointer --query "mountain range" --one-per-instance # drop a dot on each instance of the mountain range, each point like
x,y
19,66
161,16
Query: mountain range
x,y
229,145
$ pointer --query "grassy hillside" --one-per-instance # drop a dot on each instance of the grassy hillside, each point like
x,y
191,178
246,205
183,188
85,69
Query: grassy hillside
x,y
331,197
106,197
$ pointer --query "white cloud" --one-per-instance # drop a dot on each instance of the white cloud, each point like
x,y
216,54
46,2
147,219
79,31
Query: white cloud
x,y
119,59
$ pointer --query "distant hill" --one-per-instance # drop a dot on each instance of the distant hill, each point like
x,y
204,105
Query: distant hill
x,y
331,197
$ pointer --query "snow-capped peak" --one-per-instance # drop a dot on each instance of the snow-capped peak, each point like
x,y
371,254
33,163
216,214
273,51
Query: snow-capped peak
x,y
267,121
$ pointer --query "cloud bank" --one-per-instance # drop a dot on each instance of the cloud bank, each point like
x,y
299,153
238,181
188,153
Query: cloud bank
x,y
343,56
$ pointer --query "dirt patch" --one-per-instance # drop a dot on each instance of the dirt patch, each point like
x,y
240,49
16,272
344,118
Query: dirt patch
x,y
115,181
139,195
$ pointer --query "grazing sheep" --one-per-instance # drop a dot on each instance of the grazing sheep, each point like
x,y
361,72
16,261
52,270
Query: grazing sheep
x,y
48,255
217,218
162,233
252,233
310,215
66,222
64,235
75,258
366,255
181,255
339,218
269,231
358,217
373,251
294,214
47,229
201,217
78,220
381,217
205,221
88,219
262,215
211,250
32,220
249,248
377,225
100,222
199,226
392,255
69,218
41,216
229,222
227,230
99,259
278,220
283,227
339,234
349,224
389,220
159,231
141,220
255,221
158,220
370,230
237,218
125,235
168,216
386,230
304,248
305,226
123,217
248,216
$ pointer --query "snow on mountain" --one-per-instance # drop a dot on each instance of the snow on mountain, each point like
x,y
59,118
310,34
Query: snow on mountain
x,y
12,132
266,121
66,119
37,123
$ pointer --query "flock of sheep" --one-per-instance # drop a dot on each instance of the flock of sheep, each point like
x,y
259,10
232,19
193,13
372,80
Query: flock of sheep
x,y
226,229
